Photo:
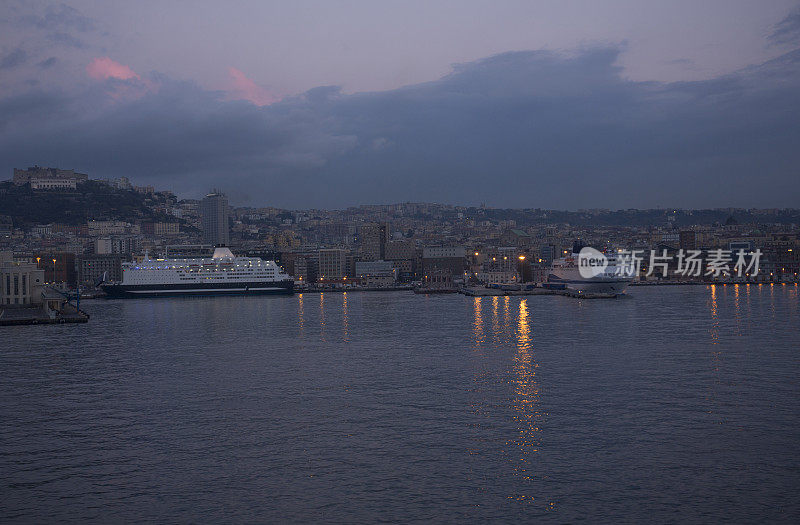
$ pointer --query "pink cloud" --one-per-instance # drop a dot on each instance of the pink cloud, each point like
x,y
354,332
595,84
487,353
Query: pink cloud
x,y
103,68
242,88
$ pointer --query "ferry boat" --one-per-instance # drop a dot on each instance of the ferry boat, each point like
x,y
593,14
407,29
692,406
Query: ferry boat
x,y
612,279
221,274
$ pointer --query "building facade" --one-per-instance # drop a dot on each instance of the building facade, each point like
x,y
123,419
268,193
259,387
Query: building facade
x,y
376,274
332,265
92,268
35,174
214,212
20,282
373,237
449,258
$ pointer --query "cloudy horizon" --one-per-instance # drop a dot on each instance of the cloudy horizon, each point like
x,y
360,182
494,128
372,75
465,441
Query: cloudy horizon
x,y
587,119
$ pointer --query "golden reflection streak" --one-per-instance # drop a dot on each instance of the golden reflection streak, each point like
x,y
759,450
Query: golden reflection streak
x,y
772,300
300,314
322,315
345,324
506,311
715,354
478,323
495,320
526,404
714,316
738,311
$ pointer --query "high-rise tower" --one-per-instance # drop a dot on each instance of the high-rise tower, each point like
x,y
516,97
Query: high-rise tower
x,y
214,209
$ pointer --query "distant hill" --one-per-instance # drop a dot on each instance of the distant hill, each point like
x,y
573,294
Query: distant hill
x,y
91,200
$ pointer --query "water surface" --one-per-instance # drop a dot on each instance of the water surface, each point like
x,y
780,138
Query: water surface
x,y
673,404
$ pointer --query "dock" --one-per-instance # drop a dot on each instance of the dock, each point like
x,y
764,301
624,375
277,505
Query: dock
x,y
23,315
54,309
474,291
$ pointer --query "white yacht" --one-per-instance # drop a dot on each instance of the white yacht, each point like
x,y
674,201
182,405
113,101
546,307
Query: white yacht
x,y
222,273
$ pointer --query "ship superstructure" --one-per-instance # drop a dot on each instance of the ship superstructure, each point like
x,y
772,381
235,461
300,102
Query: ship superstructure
x,y
222,273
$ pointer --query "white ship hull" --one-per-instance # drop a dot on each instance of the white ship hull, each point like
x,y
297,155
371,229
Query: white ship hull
x,y
222,274
565,272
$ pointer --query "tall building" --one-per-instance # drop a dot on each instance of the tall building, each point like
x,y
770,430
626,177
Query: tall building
x,y
214,210
373,237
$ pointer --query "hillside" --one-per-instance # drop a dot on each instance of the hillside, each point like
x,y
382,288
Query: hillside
x,y
92,200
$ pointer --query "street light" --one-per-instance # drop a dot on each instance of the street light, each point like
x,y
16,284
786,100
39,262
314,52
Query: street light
x,y
54,271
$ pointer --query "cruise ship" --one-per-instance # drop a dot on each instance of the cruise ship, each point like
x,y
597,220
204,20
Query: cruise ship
x,y
221,274
611,277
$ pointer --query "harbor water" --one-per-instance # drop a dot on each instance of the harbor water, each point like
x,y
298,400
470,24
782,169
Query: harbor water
x,y
673,404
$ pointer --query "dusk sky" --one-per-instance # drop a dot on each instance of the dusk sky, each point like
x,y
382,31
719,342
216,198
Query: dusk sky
x,y
615,104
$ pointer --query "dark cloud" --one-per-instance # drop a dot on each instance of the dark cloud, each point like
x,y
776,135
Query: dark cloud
x,y
54,17
787,31
48,62
14,58
537,128
65,39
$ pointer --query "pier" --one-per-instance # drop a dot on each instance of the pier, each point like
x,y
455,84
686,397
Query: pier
x,y
474,291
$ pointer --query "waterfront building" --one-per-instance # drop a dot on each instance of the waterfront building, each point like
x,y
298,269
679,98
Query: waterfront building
x,y
376,274
58,267
438,280
405,258
450,258
20,282
300,269
781,257
214,211
332,265
501,265
92,268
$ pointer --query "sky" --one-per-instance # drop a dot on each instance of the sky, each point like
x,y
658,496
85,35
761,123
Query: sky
x,y
562,104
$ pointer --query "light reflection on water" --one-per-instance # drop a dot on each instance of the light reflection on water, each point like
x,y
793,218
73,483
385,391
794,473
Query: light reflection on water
x,y
345,322
477,321
674,404
527,412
